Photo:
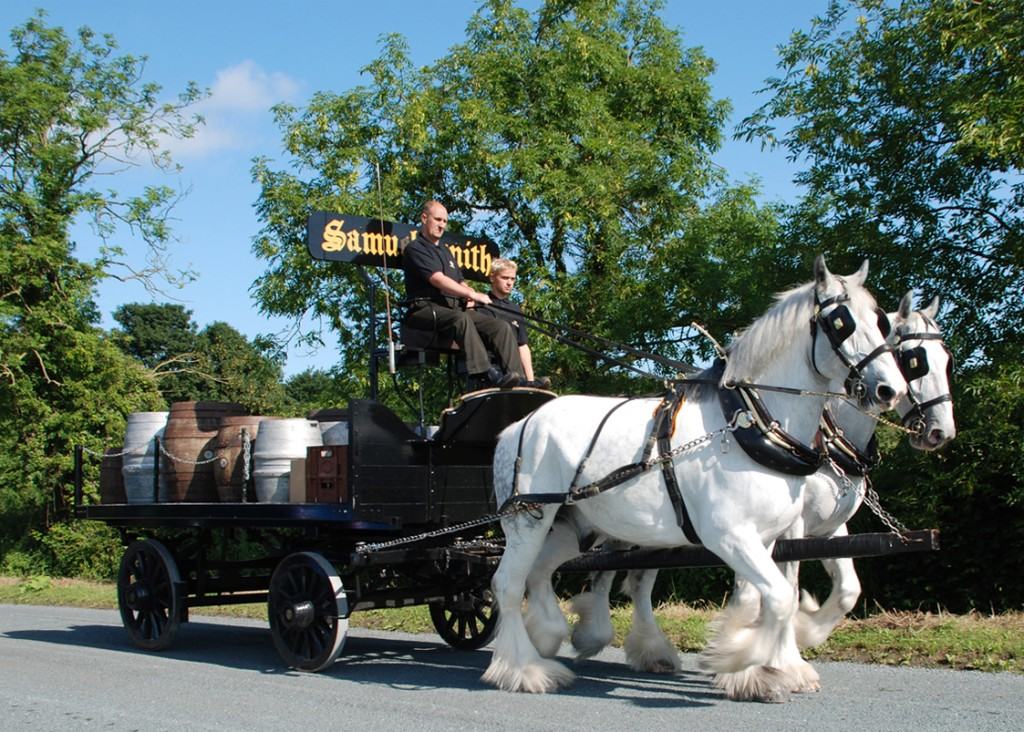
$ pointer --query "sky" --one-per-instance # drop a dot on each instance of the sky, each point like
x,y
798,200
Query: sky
x,y
251,55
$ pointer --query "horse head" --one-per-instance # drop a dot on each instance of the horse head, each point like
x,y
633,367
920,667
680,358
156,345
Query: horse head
x,y
927,365
854,343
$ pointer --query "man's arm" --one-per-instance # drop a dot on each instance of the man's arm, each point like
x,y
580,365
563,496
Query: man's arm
x,y
448,286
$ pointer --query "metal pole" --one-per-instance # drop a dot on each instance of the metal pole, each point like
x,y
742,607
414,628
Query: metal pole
x,y
156,471
78,475
372,290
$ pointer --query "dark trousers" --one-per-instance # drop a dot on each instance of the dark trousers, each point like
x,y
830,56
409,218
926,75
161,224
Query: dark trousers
x,y
471,330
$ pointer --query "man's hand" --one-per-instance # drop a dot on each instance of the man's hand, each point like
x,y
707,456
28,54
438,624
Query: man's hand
x,y
480,297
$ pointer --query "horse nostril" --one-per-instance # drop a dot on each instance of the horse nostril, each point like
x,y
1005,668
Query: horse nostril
x,y
937,437
886,394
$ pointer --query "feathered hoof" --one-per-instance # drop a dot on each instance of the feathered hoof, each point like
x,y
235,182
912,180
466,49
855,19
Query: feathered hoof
x,y
757,683
538,677
807,679
589,636
652,655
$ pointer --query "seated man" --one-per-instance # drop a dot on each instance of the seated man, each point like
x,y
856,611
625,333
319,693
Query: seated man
x,y
503,279
436,291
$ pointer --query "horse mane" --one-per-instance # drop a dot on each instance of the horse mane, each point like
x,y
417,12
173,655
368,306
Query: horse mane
x,y
763,340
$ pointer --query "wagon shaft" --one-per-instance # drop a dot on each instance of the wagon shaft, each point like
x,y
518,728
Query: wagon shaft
x,y
786,550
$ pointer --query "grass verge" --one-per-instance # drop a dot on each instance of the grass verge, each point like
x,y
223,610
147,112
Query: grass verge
x,y
934,640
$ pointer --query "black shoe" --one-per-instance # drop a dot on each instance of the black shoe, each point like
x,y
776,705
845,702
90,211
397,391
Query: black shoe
x,y
541,382
503,380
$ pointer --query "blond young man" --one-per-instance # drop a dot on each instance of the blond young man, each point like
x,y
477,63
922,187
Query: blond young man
x,y
503,280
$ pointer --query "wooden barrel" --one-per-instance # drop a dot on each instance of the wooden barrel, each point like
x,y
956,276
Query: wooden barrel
x,y
189,449
111,478
229,468
281,441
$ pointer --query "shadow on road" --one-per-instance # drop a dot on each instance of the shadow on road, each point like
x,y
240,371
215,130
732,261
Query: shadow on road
x,y
415,663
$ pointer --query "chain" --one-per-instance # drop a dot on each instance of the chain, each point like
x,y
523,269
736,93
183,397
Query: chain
x,y
740,420
874,503
246,453
844,479
177,459
880,419
454,529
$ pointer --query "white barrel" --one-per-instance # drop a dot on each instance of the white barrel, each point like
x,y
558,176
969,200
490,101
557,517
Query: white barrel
x,y
334,433
138,462
279,442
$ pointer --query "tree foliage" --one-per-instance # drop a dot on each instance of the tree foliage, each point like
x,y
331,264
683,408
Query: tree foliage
x,y
910,119
217,363
579,138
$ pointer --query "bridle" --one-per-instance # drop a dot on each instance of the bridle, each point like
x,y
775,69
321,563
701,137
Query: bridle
x,y
914,365
838,325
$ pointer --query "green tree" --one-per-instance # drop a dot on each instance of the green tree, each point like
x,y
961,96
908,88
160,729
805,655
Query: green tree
x,y
156,334
165,340
579,138
69,110
218,363
318,389
230,368
910,120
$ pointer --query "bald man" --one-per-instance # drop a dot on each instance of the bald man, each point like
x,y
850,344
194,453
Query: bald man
x,y
441,301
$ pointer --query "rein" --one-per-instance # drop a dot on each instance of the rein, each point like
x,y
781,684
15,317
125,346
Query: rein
x,y
552,330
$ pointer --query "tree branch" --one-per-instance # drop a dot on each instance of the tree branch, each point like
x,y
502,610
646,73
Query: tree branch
x,y
43,367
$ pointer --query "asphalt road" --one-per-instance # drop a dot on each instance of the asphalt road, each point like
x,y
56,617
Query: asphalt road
x,y
74,669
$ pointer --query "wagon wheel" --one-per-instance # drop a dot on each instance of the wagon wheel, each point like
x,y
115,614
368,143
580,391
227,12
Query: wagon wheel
x,y
149,594
466,621
308,611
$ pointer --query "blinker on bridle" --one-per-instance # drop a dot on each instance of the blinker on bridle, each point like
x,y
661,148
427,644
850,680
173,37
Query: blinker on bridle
x,y
838,325
914,365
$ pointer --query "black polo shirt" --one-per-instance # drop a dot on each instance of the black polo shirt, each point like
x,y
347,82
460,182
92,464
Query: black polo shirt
x,y
515,318
420,260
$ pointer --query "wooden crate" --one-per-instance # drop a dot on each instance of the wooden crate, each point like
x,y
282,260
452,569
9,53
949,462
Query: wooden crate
x,y
327,474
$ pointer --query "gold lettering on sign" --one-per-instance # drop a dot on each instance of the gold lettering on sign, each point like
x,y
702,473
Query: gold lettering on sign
x,y
485,260
352,242
473,257
334,237
379,244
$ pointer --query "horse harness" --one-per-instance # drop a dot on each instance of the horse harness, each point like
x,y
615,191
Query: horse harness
x,y
660,437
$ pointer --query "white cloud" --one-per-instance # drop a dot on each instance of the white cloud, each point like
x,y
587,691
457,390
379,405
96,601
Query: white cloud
x,y
237,112
247,87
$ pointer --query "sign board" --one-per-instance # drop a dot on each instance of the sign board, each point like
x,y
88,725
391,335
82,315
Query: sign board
x,y
361,240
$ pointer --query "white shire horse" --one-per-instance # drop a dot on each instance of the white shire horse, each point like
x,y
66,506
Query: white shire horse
x,y
808,341
829,503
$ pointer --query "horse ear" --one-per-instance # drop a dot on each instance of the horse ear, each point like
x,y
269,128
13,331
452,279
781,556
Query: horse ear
x,y
861,275
821,273
933,308
906,305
